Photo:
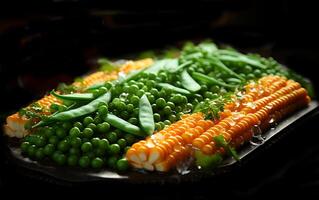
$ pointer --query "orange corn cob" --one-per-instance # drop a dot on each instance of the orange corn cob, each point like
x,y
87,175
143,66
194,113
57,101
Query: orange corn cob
x,y
166,148
15,123
269,99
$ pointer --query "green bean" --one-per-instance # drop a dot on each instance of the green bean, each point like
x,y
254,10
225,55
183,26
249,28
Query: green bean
x,y
188,82
74,96
124,125
216,61
236,57
210,80
146,115
81,111
173,88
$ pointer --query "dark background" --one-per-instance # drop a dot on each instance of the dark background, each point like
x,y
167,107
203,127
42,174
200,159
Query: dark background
x,y
46,42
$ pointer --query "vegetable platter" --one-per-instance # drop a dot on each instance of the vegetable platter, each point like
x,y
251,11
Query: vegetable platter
x,y
174,116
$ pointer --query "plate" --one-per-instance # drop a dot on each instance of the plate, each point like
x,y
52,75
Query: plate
x,y
78,175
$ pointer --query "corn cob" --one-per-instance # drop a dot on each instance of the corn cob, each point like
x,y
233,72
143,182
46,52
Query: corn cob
x,y
270,99
15,122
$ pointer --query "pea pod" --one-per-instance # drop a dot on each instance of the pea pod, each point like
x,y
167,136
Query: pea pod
x,y
81,111
210,80
124,125
188,82
173,88
146,115
74,96
216,62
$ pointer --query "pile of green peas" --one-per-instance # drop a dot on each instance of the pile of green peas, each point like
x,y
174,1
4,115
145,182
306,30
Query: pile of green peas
x,y
87,143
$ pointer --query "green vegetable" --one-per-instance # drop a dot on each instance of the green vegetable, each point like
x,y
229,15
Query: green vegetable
x,y
74,96
207,162
217,63
122,164
146,115
124,125
84,161
86,147
173,88
210,80
221,142
114,149
97,163
81,111
188,82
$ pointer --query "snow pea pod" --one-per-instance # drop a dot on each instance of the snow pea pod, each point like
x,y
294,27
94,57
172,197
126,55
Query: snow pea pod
x,y
173,88
124,125
146,115
74,96
210,80
83,110
188,82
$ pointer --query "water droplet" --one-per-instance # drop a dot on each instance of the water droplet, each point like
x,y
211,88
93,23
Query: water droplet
x,y
183,166
123,96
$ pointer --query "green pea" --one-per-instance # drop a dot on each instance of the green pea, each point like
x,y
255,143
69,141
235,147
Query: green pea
x,y
95,141
133,89
178,108
87,133
67,125
167,110
251,76
122,143
102,90
214,88
48,132
135,100
103,127
111,162
87,120
72,160
91,126
133,120
86,147
203,88
124,115
184,99
140,93
247,69
154,107
189,106
103,144
76,142
79,125
114,149
162,124
103,110
24,146
84,161
122,164
39,154
74,151
61,133
97,163
172,118
129,107
40,141
112,137
154,92
53,140
100,152
49,149
74,132
136,112
158,126
157,117
170,104
121,106
151,98
160,102
150,83
126,149
61,159
98,119
63,146
167,122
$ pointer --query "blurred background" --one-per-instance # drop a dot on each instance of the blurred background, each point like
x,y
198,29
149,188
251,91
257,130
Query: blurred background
x,y
46,42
